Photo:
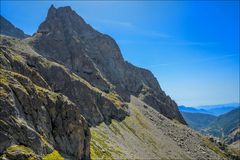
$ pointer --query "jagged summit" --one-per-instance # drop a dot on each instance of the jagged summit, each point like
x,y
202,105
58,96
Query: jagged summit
x,y
65,37
53,9
66,20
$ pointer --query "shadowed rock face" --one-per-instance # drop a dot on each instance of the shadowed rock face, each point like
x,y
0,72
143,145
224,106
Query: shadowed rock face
x,y
96,106
40,119
67,38
45,107
8,29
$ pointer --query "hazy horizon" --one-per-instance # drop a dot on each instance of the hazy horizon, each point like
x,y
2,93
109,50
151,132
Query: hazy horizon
x,y
191,48
213,105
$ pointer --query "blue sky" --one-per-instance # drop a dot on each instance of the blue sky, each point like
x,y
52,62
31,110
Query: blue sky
x,y
191,47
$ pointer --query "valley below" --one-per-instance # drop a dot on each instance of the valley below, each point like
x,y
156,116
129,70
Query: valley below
x,y
224,128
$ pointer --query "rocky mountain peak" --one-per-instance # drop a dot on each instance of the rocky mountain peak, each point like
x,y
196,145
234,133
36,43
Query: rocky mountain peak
x,y
65,37
64,20
51,10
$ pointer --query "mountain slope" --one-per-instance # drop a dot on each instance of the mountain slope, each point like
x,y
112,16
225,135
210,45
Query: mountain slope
x,y
225,123
52,123
8,29
65,37
146,134
198,121
226,126
233,138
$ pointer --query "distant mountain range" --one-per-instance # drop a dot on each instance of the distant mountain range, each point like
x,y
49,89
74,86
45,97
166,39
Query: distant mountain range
x,y
226,126
198,121
215,110
192,110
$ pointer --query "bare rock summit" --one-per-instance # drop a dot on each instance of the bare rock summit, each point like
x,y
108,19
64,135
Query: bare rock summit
x,y
65,37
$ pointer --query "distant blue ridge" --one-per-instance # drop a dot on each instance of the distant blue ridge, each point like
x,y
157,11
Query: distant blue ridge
x,y
215,110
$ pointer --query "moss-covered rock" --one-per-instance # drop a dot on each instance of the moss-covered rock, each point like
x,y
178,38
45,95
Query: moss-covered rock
x,y
19,152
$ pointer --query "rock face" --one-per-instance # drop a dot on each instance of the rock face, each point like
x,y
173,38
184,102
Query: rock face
x,y
67,38
45,112
233,138
95,105
31,114
8,29
40,119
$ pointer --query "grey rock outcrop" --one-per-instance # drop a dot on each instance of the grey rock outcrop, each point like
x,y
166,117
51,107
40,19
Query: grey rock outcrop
x,y
8,29
67,38
40,119
96,106
42,104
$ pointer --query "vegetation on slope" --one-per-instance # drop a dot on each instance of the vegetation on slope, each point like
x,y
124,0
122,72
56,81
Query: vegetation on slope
x,y
198,121
53,156
222,149
224,124
146,134
19,152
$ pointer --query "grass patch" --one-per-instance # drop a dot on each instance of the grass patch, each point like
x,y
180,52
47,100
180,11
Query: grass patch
x,y
101,147
97,152
77,78
214,148
113,127
45,63
8,76
114,97
53,96
130,129
3,78
45,92
20,152
225,151
53,156
139,118
17,58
